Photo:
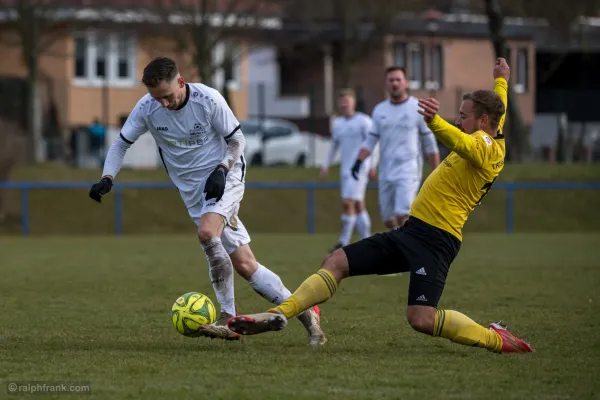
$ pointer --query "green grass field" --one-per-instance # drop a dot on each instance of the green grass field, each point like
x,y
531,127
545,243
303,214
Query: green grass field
x,y
97,310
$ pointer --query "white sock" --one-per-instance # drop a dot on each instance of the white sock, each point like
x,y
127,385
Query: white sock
x,y
363,224
348,222
221,273
268,284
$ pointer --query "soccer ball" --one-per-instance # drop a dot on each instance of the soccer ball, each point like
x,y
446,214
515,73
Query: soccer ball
x,y
190,311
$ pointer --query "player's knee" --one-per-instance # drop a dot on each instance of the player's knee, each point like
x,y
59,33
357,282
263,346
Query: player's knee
x,y
421,319
390,223
401,219
348,207
359,206
205,234
337,264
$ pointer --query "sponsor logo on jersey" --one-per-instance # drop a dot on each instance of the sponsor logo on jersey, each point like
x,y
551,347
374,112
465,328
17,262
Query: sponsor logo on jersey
x,y
162,128
487,140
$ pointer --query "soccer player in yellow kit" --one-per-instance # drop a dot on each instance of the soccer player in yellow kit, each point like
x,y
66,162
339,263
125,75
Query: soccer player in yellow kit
x,y
429,241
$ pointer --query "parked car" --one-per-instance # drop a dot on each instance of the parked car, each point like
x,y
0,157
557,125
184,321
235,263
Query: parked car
x,y
273,141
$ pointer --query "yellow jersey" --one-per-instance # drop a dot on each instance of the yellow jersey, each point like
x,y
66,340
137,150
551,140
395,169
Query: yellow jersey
x,y
461,181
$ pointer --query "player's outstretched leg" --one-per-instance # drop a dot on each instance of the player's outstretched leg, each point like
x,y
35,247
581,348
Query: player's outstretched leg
x,y
269,285
461,329
317,289
221,276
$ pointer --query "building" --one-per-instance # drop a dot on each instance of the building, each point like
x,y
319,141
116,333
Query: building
x,y
444,57
93,68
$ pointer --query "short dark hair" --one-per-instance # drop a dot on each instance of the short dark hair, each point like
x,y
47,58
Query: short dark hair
x,y
158,70
487,102
395,68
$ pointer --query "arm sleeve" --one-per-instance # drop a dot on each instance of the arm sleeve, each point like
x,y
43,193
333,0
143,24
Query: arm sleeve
x,y
371,141
501,89
331,155
372,137
372,147
227,125
335,144
473,148
115,156
428,141
236,144
135,126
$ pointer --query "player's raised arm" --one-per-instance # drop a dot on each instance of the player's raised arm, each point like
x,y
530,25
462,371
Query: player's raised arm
x,y
501,78
466,146
134,127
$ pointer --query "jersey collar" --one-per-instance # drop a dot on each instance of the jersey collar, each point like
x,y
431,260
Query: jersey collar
x,y
187,97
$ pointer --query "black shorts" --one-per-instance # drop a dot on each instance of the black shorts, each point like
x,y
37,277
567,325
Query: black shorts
x,y
422,249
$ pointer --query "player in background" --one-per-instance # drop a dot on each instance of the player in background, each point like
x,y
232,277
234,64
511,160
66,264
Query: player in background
x,y
403,136
348,133
201,146
431,238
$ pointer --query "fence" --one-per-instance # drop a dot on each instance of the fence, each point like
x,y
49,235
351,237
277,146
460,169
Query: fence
x,y
310,187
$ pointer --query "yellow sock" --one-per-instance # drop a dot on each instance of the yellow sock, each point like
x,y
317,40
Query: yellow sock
x,y
461,329
317,289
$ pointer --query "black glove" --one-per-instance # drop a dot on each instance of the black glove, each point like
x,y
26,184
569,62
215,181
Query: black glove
x,y
356,168
215,184
100,189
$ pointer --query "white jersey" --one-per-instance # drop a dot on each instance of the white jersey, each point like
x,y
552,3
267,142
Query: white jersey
x,y
349,134
402,135
191,140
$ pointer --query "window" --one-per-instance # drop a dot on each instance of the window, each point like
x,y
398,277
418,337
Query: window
x,y
226,58
102,59
416,70
101,55
521,85
80,57
125,47
399,54
437,68
424,71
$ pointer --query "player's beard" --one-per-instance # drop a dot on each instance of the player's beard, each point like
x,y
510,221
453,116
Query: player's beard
x,y
396,96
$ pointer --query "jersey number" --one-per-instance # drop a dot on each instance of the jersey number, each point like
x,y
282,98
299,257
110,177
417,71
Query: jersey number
x,y
486,188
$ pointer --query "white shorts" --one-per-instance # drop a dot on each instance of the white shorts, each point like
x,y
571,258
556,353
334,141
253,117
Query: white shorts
x,y
396,197
352,189
235,234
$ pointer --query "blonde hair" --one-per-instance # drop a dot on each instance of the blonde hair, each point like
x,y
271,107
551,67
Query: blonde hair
x,y
347,92
487,102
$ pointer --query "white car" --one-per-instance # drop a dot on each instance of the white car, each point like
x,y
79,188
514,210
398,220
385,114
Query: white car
x,y
272,141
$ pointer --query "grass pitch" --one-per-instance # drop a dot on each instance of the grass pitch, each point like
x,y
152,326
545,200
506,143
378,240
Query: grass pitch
x,y
97,310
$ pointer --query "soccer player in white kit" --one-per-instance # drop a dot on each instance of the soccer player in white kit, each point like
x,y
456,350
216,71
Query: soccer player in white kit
x,y
348,133
403,136
201,146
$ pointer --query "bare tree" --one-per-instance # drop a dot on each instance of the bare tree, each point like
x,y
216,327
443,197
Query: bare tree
x,y
30,25
200,26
